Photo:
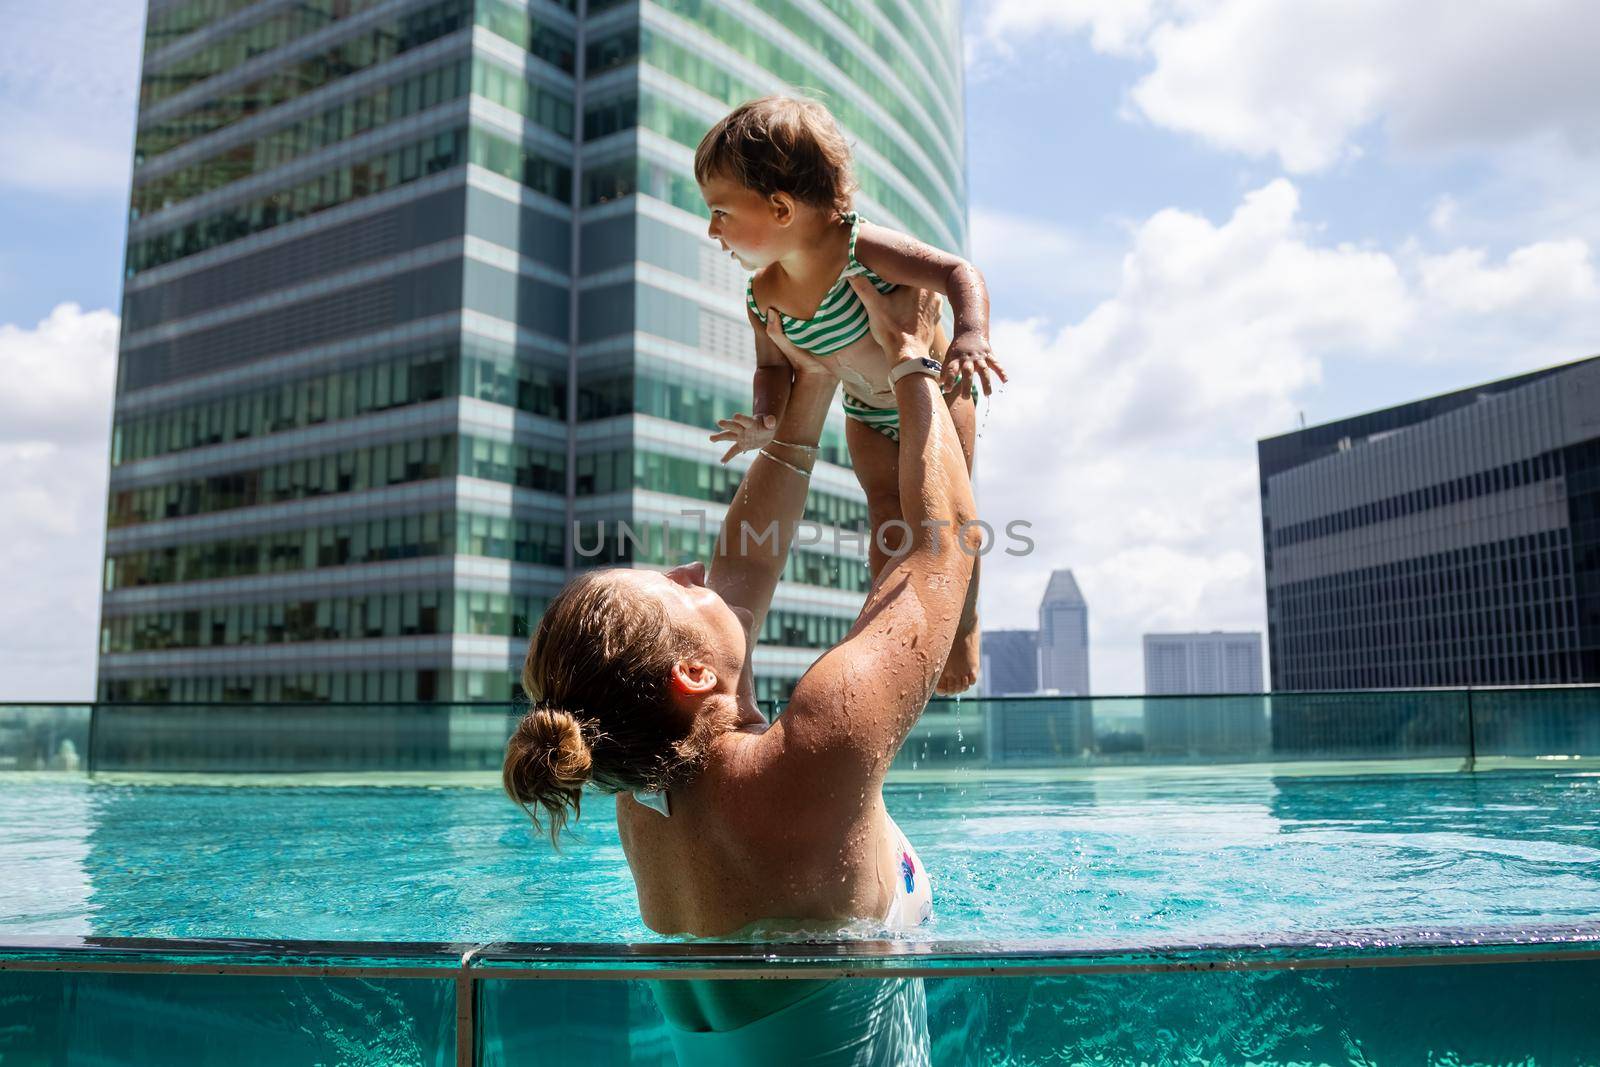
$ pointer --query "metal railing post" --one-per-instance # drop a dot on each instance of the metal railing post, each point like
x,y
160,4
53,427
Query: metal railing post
x,y
1472,733
467,1011
88,756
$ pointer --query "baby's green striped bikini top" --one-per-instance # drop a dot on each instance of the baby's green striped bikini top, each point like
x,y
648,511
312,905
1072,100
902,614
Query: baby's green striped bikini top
x,y
840,320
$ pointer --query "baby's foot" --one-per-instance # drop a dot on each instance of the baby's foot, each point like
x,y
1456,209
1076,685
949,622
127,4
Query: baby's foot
x,y
961,668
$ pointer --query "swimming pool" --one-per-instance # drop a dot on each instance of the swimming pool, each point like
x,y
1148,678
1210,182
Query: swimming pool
x,y
1201,856
1225,914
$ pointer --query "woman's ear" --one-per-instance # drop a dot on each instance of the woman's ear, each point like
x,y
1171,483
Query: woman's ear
x,y
691,677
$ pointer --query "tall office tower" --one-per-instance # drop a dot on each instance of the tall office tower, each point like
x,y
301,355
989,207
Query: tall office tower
x,y
1448,541
420,306
1010,662
1214,662
1064,637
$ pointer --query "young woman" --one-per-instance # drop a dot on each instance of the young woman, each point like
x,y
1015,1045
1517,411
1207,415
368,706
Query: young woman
x,y
641,685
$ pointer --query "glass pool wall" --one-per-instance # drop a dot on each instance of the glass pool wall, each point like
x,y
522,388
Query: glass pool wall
x,y
245,1004
1405,996
1476,727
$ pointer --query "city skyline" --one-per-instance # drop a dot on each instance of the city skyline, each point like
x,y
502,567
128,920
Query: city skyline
x,y
1130,239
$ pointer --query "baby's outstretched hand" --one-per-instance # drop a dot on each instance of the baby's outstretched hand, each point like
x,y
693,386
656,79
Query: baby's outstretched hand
x,y
747,433
969,355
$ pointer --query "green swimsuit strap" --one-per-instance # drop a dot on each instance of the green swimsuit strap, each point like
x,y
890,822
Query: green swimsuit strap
x,y
854,265
750,298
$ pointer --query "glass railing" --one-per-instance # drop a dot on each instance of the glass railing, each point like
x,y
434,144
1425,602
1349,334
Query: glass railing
x,y
1553,724
86,856
246,1003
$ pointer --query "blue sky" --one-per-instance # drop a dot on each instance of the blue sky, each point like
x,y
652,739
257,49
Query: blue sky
x,y
1199,219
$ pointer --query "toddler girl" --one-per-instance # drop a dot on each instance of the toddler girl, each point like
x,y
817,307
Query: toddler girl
x,y
775,174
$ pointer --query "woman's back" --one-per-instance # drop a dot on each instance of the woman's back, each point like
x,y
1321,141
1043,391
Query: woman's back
x,y
743,845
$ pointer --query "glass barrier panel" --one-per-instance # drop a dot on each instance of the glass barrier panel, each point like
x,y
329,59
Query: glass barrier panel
x,y
1536,722
146,1020
1400,724
44,737
951,735
256,738
1429,1013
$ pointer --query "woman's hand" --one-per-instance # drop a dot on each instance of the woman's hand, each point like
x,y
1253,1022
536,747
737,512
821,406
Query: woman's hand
x,y
803,363
903,321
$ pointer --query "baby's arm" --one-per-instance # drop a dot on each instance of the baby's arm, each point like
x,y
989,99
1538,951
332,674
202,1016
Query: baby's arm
x,y
773,377
904,260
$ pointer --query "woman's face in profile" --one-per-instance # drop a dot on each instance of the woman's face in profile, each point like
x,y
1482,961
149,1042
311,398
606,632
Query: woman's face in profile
x,y
724,630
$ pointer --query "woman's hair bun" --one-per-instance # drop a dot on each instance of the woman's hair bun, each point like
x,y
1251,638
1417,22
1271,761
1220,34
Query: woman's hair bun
x,y
548,762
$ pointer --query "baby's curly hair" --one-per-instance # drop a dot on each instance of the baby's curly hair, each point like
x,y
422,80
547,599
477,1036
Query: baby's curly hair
x,y
781,144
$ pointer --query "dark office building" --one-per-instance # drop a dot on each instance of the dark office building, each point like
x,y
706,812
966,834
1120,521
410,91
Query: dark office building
x,y
419,305
1449,541
1010,662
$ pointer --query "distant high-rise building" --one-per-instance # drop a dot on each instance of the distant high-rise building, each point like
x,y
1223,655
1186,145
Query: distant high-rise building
x,y
1064,637
1448,541
1010,662
1213,662
419,305
1212,726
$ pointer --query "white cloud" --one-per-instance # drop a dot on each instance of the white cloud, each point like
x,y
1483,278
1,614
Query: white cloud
x,y
69,78
1302,82
1116,27
63,368
54,427
1147,410
1535,277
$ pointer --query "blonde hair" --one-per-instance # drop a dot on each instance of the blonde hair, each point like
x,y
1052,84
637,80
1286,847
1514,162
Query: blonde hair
x,y
781,144
597,675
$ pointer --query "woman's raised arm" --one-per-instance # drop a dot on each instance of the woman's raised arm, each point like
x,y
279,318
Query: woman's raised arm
x,y
760,524
852,710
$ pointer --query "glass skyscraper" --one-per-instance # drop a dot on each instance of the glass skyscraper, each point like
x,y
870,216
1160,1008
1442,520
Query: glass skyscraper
x,y
419,307
1449,541
1064,637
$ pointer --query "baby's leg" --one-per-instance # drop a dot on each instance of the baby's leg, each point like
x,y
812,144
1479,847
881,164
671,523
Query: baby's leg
x,y
961,668
877,465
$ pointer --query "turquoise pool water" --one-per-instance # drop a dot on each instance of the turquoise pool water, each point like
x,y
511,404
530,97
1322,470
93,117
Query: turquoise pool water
x,y
1226,916
1108,859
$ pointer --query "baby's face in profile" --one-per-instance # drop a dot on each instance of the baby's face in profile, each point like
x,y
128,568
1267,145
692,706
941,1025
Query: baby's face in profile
x,y
751,227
